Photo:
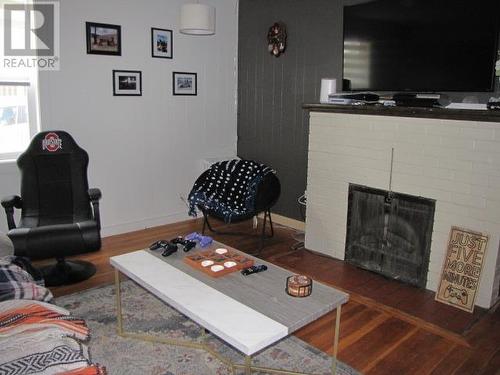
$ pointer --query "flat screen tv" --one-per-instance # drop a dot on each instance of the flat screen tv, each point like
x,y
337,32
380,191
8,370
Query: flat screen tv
x,y
421,45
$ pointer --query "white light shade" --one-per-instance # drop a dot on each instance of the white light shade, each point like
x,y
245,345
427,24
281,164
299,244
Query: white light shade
x,y
197,19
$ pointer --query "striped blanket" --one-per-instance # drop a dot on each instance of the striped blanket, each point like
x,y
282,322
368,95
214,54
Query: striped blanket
x,y
41,338
37,337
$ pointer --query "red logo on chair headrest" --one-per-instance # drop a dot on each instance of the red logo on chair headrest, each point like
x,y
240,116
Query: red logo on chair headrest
x,y
51,142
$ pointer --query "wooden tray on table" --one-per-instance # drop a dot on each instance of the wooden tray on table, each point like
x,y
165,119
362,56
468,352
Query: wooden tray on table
x,y
215,263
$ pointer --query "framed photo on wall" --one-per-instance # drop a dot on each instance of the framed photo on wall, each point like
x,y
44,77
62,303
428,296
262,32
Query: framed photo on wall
x,y
162,43
184,83
103,39
127,83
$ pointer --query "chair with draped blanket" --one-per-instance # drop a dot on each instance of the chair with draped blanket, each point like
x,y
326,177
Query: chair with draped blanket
x,y
234,191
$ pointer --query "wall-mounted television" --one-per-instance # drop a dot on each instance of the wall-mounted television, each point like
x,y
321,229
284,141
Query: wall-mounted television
x,y
421,45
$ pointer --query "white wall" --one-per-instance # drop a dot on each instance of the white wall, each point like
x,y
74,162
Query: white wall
x,y
144,151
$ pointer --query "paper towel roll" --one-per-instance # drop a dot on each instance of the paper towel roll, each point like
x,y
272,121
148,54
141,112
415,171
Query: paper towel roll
x,y
328,86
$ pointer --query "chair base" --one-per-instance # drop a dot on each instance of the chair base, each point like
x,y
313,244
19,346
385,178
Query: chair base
x,y
67,272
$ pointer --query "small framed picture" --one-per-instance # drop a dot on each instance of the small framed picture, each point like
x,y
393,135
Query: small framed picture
x,y
162,43
127,83
103,39
184,83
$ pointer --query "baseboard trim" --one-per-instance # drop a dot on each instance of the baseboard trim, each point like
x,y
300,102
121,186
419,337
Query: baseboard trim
x,y
287,221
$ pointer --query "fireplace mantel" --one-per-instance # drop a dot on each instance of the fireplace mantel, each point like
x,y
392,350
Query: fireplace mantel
x,y
415,112
456,162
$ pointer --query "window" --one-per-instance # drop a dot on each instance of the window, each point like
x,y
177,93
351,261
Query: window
x,y
18,104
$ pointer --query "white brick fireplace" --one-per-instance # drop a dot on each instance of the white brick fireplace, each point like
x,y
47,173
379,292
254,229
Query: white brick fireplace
x,y
455,162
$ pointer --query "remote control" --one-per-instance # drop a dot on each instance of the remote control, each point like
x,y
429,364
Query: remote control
x,y
186,244
253,269
158,244
169,251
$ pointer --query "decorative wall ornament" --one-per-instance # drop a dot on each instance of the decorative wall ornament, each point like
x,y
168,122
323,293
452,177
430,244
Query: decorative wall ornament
x,y
276,39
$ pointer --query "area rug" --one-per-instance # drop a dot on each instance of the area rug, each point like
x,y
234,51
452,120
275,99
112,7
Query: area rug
x,y
142,312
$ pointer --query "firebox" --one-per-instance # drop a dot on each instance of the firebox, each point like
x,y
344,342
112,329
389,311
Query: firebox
x,y
389,233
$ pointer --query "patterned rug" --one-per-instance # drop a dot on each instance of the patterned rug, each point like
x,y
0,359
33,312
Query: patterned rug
x,y
144,312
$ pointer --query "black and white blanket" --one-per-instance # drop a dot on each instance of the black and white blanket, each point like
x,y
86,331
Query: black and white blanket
x,y
229,188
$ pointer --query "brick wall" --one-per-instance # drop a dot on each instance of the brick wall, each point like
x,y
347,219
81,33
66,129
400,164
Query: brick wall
x,y
457,163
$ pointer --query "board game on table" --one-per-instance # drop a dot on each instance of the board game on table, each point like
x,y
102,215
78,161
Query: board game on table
x,y
218,262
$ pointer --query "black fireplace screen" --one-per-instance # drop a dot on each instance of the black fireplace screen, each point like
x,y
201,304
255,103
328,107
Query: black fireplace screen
x,y
389,233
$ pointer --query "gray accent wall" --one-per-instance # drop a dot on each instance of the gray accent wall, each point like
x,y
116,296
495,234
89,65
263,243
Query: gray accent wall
x,y
272,126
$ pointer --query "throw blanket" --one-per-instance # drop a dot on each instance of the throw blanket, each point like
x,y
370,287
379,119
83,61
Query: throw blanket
x,y
229,188
16,283
41,338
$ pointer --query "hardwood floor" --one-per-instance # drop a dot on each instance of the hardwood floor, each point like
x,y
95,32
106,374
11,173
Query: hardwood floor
x,y
386,327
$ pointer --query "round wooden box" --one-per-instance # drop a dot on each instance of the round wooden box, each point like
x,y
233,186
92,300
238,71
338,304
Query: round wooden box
x,y
298,286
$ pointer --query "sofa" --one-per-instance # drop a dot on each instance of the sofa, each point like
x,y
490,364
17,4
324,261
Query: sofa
x,y
36,336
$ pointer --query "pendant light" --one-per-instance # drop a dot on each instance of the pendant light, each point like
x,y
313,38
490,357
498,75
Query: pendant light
x,y
197,19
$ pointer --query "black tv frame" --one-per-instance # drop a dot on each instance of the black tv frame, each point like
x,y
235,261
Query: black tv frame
x,y
433,90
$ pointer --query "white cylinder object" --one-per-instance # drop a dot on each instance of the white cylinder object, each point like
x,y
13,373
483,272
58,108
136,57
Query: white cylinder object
x,y
197,19
328,86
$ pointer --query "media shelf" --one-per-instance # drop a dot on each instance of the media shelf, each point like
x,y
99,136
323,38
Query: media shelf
x,y
380,110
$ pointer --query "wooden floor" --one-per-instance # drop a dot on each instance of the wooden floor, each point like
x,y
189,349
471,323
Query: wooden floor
x,y
386,327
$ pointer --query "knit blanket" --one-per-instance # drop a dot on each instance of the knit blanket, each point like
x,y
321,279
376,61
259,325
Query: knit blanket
x,y
229,188
17,283
41,338
37,337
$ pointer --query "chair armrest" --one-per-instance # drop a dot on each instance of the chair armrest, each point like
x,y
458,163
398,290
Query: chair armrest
x,y
9,203
12,201
94,195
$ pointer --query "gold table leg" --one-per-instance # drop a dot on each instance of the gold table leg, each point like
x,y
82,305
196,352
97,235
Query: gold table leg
x,y
118,303
247,366
336,340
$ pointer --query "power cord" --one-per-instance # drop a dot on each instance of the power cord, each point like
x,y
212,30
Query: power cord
x,y
300,235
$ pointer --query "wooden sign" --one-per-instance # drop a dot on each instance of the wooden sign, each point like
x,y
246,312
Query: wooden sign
x,y
462,268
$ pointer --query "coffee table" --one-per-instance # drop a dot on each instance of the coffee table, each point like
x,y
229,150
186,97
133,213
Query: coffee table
x,y
249,313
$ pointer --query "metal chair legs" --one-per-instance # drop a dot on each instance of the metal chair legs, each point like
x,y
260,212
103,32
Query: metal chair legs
x,y
267,215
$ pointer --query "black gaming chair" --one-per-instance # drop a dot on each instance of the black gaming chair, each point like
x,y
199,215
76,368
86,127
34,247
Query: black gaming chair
x,y
59,213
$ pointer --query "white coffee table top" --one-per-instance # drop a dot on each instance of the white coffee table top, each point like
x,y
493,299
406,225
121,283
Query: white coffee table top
x,y
240,326
249,313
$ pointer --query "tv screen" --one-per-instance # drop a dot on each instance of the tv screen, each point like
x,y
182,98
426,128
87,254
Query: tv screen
x,y
421,45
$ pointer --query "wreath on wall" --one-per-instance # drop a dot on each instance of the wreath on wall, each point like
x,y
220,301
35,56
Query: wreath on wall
x,y
276,39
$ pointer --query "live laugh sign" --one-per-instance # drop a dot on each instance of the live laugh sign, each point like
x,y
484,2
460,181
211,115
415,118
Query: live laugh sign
x,y
462,268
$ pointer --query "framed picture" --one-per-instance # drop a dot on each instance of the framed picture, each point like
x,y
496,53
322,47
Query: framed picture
x,y
184,83
162,43
127,83
103,39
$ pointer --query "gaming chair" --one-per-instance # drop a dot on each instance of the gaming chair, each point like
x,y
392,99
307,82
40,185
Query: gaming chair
x,y
59,213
